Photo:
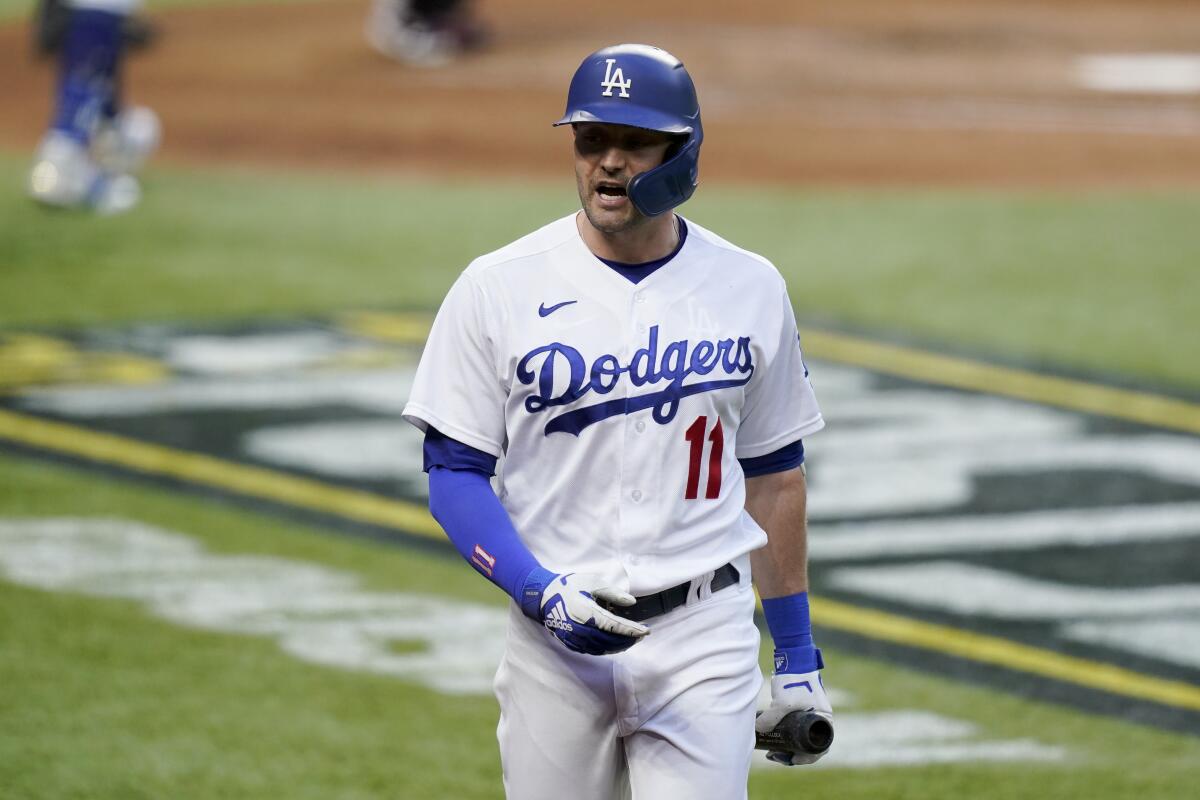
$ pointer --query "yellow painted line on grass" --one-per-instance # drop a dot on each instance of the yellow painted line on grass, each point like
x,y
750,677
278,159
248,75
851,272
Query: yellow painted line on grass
x,y
263,484
962,373
1000,652
28,359
388,326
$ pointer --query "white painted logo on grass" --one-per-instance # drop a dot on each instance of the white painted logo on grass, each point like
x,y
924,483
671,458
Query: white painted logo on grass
x,y
1159,621
371,449
322,616
314,613
380,391
916,451
255,354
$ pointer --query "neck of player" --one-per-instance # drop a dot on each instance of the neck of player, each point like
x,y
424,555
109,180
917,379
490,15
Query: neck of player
x,y
651,239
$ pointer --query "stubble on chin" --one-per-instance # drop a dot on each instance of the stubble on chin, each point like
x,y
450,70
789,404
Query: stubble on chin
x,y
609,223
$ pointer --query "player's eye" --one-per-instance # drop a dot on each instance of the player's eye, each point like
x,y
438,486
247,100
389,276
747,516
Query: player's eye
x,y
640,143
590,142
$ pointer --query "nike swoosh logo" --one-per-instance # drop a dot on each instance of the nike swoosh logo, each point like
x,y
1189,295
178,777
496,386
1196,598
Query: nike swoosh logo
x,y
545,312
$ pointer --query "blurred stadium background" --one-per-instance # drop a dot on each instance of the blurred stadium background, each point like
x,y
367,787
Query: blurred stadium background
x,y
216,575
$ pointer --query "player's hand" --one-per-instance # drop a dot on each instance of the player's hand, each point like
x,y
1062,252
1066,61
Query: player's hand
x,y
569,610
794,692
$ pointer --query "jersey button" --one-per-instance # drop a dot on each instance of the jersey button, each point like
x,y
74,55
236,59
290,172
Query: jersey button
x,y
641,328
640,426
636,494
639,297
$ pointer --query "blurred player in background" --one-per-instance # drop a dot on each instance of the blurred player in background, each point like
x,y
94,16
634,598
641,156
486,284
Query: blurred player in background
x,y
96,142
426,33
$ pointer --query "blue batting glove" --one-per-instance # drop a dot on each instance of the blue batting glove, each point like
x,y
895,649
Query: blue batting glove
x,y
566,605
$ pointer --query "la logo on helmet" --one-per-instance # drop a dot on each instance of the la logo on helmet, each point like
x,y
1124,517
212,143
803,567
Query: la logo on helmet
x,y
615,79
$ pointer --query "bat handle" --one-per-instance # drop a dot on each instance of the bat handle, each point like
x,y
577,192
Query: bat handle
x,y
798,732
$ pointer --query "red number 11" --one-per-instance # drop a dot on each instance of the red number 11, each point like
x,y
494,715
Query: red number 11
x,y
695,437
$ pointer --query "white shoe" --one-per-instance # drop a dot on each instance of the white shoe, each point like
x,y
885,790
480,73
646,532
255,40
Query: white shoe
x,y
122,144
64,175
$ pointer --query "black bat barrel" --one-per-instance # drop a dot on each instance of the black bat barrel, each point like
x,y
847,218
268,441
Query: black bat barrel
x,y
798,732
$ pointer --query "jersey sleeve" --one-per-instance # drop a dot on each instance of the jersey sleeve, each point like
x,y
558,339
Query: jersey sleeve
x,y
780,406
458,389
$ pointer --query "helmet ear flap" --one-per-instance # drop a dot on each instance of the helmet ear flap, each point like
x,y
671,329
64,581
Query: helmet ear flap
x,y
673,182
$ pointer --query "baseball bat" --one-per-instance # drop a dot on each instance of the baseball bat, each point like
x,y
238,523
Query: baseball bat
x,y
798,732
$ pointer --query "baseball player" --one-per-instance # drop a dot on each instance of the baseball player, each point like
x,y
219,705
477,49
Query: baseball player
x,y
641,380
424,33
95,144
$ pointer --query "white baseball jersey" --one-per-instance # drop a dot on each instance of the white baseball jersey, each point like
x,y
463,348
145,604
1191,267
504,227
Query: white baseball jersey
x,y
620,409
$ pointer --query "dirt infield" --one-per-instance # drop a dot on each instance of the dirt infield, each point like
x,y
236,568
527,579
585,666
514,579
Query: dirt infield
x,y
860,92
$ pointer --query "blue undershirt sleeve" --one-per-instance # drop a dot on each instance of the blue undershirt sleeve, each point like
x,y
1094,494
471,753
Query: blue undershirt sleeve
x,y
787,457
442,451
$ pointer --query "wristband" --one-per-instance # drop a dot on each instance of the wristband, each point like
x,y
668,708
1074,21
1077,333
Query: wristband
x,y
532,588
791,630
797,661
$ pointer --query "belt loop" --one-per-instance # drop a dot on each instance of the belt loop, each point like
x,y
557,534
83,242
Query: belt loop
x,y
742,565
702,587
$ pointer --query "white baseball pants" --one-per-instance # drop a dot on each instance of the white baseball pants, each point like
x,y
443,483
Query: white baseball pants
x,y
672,717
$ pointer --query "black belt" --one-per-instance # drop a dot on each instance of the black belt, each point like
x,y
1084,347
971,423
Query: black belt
x,y
652,605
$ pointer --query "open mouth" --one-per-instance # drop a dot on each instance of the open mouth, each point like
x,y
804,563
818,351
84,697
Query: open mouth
x,y
610,190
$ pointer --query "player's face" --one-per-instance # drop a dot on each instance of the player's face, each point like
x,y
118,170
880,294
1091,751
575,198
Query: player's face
x,y
607,157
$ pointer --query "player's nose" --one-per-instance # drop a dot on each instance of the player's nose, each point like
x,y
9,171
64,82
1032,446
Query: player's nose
x,y
613,159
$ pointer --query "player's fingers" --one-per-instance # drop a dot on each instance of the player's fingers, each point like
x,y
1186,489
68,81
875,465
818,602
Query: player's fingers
x,y
607,621
820,704
767,720
590,640
615,596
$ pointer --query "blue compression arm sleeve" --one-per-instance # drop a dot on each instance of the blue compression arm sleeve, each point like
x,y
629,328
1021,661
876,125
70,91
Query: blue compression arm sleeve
x,y
462,501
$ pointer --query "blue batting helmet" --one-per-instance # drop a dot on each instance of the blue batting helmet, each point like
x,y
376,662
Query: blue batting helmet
x,y
646,87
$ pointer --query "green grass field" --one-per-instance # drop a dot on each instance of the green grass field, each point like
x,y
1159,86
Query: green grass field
x,y
1115,273
163,711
